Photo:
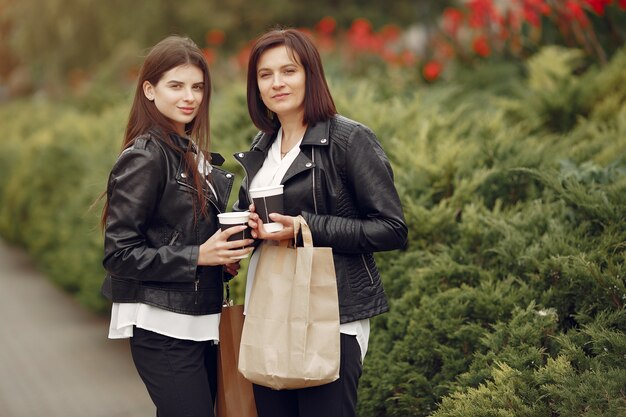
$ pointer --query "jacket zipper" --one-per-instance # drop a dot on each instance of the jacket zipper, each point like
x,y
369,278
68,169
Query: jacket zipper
x,y
197,281
194,190
367,269
184,184
174,237
369,273
313,179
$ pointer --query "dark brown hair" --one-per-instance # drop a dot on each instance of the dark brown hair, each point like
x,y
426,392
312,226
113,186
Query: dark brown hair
x,y
144,116
318,102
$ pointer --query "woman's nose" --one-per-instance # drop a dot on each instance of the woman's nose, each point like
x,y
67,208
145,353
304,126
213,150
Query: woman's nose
x,y
277,81
189,95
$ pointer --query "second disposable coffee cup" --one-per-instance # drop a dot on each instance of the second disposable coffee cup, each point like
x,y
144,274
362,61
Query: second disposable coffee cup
x,y
232,219
268,200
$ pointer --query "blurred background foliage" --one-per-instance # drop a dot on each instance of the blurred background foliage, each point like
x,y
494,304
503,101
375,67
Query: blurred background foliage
x,y
61,41
505,122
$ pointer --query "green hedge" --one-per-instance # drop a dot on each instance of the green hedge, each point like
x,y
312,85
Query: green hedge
x,y
509,300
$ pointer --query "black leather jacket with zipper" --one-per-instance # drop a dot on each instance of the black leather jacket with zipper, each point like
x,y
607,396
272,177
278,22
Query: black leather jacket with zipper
x,y
341,182
152,235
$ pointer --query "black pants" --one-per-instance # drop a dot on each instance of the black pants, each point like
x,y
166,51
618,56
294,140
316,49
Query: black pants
x,y
180,375
337,399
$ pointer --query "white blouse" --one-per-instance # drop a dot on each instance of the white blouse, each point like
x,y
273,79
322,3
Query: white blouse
x,y
180,326
272,173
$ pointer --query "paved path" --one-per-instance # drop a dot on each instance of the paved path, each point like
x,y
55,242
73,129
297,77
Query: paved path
x,y
55,358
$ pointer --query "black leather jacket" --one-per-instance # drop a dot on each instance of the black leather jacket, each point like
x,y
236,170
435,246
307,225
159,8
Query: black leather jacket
x,y
341,182
151,240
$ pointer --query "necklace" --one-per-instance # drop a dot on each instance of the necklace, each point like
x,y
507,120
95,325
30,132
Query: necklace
x,y
290,143
282,154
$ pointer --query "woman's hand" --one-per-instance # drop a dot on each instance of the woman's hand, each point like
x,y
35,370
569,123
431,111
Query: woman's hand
x,y
217,250
232,269
256,224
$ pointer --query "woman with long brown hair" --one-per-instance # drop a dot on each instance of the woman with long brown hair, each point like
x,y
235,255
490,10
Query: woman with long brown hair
x,y
163,250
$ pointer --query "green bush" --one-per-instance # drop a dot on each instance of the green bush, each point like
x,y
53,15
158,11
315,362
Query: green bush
x,y
516,251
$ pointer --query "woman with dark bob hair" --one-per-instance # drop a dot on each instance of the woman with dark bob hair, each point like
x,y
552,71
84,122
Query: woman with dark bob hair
x,y
164,253
336,175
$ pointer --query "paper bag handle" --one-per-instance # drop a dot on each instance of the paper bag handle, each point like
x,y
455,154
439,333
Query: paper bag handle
x,y
299,224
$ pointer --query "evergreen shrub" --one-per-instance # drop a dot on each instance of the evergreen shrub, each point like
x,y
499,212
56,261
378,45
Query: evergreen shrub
x,y
510,298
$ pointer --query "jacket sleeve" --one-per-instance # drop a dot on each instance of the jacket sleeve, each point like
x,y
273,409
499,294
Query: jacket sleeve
x,y
380,225
135,185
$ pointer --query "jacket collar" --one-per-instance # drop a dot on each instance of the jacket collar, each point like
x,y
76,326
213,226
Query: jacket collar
x,y
316,135
183,142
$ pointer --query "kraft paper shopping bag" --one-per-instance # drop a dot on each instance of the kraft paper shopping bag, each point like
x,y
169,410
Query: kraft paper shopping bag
x,y
291,335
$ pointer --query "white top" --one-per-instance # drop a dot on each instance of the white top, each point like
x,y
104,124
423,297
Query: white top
x,y
271,173
180,326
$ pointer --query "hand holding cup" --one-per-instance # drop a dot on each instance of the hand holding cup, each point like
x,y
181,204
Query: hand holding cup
x,y
268,200
220,249
258,231
234,219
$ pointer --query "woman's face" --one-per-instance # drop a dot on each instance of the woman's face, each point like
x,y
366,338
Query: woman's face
x,y
178,94
281,81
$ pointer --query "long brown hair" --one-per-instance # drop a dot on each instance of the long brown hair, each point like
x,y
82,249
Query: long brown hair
x,y
318,102
144,116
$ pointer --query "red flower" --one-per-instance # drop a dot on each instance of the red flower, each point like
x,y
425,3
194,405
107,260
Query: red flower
x,y
326,26
482,13
512,21
532,11
432,70
532,17
598,6
622,4
452,19
481,46
576,12
215,37
360,34
389,33
539,6
361,27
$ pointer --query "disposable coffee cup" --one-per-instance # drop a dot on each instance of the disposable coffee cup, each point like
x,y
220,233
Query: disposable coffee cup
x,y
232,219
268,200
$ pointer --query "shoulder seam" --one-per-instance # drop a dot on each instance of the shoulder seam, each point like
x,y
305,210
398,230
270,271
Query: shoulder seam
x,y
141,141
